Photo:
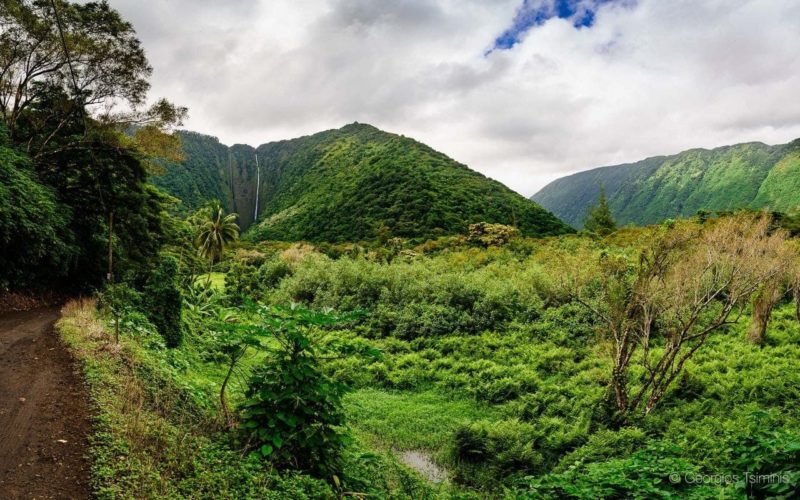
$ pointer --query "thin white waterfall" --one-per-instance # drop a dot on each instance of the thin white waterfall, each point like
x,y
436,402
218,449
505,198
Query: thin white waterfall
x,y
258,187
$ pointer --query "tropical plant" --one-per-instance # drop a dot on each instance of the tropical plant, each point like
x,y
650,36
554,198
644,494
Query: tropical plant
x,y
215,231
293,413
232,339
119,300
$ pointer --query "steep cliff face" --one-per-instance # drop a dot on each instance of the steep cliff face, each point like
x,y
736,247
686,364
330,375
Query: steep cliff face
x,y
347,184
242,183
213,171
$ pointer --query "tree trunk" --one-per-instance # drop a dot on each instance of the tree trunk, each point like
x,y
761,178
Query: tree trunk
x,y
110,274
763,303
652,401
223,400
797,300
116,328
619,384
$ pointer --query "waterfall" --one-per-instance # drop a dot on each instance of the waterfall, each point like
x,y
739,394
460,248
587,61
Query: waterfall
x,y
258,186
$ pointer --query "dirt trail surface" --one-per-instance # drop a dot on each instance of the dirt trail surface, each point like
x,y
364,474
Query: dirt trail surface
x,y
44,423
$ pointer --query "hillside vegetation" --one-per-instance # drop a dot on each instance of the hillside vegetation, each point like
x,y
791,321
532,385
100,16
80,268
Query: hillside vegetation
x,y
751,175
494,364
354,183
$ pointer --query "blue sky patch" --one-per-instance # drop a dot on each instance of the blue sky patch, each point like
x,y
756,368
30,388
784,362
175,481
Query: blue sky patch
x,y
534,13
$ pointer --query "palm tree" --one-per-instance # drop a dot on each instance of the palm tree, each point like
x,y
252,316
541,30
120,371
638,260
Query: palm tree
x,y
215,231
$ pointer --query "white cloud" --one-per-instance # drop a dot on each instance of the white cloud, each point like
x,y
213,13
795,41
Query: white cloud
x,y
656,78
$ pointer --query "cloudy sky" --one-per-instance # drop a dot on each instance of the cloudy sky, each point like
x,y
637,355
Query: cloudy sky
x,y
524,91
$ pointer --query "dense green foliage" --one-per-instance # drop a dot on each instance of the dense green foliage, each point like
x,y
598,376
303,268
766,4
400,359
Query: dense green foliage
x,y
728,178
163,301
73,180
490,369
201,177
293,411
56,214
154,431
599,219
35,243
492,327
354,183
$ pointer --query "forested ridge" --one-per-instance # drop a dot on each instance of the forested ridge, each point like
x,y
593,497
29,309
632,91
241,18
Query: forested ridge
x,y
349,184
749,175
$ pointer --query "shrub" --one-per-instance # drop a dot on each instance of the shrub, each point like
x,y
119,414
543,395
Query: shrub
x,y
655,472
119,301
293,412
770,458
163,301
486,234
272,271
485,452
241,281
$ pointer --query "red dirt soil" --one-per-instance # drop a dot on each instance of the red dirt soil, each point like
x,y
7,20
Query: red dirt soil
x,y
44,411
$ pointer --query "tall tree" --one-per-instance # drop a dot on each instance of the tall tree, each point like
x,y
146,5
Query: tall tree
x,y
74,82
599,219
215,231
85,49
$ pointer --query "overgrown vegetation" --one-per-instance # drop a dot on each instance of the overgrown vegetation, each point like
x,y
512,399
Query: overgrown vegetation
x,y
76,180
446,355
573,366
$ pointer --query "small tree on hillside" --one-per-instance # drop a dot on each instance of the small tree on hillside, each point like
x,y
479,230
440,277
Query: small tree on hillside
x,y
487,234
688,284
599,219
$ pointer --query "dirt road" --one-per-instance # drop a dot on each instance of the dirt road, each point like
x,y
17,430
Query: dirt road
x,y
44,421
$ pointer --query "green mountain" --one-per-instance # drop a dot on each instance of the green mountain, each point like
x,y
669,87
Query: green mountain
x,y
348,184
749,175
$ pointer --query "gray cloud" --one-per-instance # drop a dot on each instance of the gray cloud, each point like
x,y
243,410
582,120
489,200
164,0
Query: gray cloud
x,y
653,79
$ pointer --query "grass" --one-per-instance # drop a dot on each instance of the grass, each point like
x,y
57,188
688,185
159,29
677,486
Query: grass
x,y
411,420
217,280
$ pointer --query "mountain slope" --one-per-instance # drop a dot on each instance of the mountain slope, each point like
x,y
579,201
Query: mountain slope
x,y
348,184
752,175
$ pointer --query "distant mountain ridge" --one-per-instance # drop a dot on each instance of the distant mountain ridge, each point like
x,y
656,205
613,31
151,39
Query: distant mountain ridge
x,y
347,184
748,175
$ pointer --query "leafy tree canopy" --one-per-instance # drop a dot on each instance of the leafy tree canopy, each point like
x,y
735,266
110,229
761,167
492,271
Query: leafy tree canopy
x,y
599,220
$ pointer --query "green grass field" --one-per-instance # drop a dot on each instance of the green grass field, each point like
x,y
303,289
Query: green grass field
x,y
217,280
